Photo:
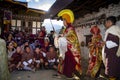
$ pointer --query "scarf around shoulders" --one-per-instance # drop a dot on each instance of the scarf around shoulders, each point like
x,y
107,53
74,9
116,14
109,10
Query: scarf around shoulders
x,y
115,30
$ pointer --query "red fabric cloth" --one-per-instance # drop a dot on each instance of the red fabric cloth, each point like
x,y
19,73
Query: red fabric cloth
x,y
52,55
38,56
16,58
43,33
41,37
69,64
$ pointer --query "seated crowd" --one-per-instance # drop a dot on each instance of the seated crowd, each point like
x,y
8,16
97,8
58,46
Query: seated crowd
x,y
30,52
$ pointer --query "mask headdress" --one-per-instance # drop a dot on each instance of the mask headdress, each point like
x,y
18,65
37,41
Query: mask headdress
x,y
67,15
95,29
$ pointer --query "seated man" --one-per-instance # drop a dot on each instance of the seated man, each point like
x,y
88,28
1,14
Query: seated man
x,y
26,43
52,58
45,46
34,44
27,59
15,61
39,58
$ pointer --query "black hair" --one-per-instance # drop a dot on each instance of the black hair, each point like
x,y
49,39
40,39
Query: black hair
x,y
51,46
60,18
26,47
26,41
52,31
38,46
7,44
112,19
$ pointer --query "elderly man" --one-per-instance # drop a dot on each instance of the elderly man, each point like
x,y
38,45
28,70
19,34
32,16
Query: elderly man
x,y
111,50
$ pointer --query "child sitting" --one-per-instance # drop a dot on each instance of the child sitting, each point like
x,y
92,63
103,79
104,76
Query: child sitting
x,y
52,58
27,59
16,60
39,58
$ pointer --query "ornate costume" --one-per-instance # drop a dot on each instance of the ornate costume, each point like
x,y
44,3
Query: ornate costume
x,y
72,61
95,55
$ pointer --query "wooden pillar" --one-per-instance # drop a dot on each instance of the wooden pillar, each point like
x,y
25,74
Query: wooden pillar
x,y
1,21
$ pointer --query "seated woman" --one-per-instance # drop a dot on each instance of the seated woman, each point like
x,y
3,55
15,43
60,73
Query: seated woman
x,y
39,58
51,56
15,61
27,59
10,37
10,50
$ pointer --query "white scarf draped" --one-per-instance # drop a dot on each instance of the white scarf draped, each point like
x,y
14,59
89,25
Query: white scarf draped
x,y
115,30
62,42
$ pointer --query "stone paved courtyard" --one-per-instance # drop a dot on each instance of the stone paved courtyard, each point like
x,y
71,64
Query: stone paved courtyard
x,y
38,75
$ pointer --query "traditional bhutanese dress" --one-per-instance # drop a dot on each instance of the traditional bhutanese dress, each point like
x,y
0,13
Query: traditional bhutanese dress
x,y
111,51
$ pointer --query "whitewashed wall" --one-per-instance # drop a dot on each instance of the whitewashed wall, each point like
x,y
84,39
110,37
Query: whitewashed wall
x,y
112,10
86,31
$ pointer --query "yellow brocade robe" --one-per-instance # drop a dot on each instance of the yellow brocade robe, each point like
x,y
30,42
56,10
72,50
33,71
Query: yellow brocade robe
x,y
95,48
74,46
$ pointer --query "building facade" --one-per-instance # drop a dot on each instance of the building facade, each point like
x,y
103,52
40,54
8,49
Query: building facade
x,y
83,25
16,15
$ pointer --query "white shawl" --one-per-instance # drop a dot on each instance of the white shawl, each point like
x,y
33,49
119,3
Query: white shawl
x,y
115,30
62,42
